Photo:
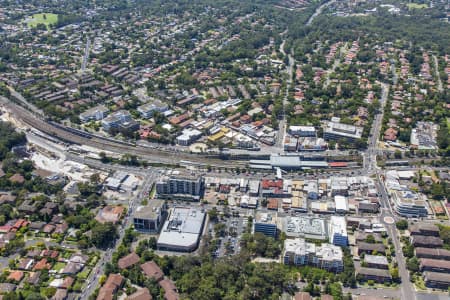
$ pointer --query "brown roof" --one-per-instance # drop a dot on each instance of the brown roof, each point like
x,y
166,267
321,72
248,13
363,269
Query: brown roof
x,y
67,283
25,263
421,251
171,296
34,277
426,241
16,276
326,297
371,247
152,270
42,264
142,294
114,280
272,204
373,272
302,296
423,227
17,178
435,263
112,284
60,294
435,276
105,293
169,289
128,261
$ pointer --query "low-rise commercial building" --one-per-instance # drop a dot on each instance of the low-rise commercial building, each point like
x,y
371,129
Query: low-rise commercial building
x,y
182,230
423,137
188,136
341,204
302,131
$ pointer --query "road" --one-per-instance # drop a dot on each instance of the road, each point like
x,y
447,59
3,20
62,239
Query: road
x,y
336,63
289,72
371,168
92,281
86,55
319,11
370,155
394,73
438,76
406,287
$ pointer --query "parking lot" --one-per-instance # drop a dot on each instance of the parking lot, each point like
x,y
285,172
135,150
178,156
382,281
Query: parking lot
x,y
235,226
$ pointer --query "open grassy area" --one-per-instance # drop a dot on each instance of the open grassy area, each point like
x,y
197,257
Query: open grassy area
x,y
59,266
43,18
84,275
416,6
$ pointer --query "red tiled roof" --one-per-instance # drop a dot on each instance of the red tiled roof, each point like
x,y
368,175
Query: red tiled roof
x,y
128,261
152,270
268,183
16,276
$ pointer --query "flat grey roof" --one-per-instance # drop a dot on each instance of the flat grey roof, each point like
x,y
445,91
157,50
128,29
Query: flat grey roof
x,y
182,228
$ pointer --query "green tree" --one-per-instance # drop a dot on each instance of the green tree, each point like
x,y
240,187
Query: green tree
x,y
402,225
104,235
413,264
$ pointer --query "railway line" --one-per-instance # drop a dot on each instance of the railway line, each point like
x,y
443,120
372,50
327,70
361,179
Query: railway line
x,y
73,136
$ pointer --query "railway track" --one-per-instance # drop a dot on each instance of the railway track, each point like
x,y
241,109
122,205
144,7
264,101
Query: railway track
x,y
119,147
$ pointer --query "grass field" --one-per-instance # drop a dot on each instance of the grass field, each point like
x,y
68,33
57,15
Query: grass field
x,y
44,18
416,6
59,266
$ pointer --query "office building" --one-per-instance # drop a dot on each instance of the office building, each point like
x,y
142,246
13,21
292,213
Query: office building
x,y
336,131
338,231
302,131
94,114
147,110
266,223
150,218
115,119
